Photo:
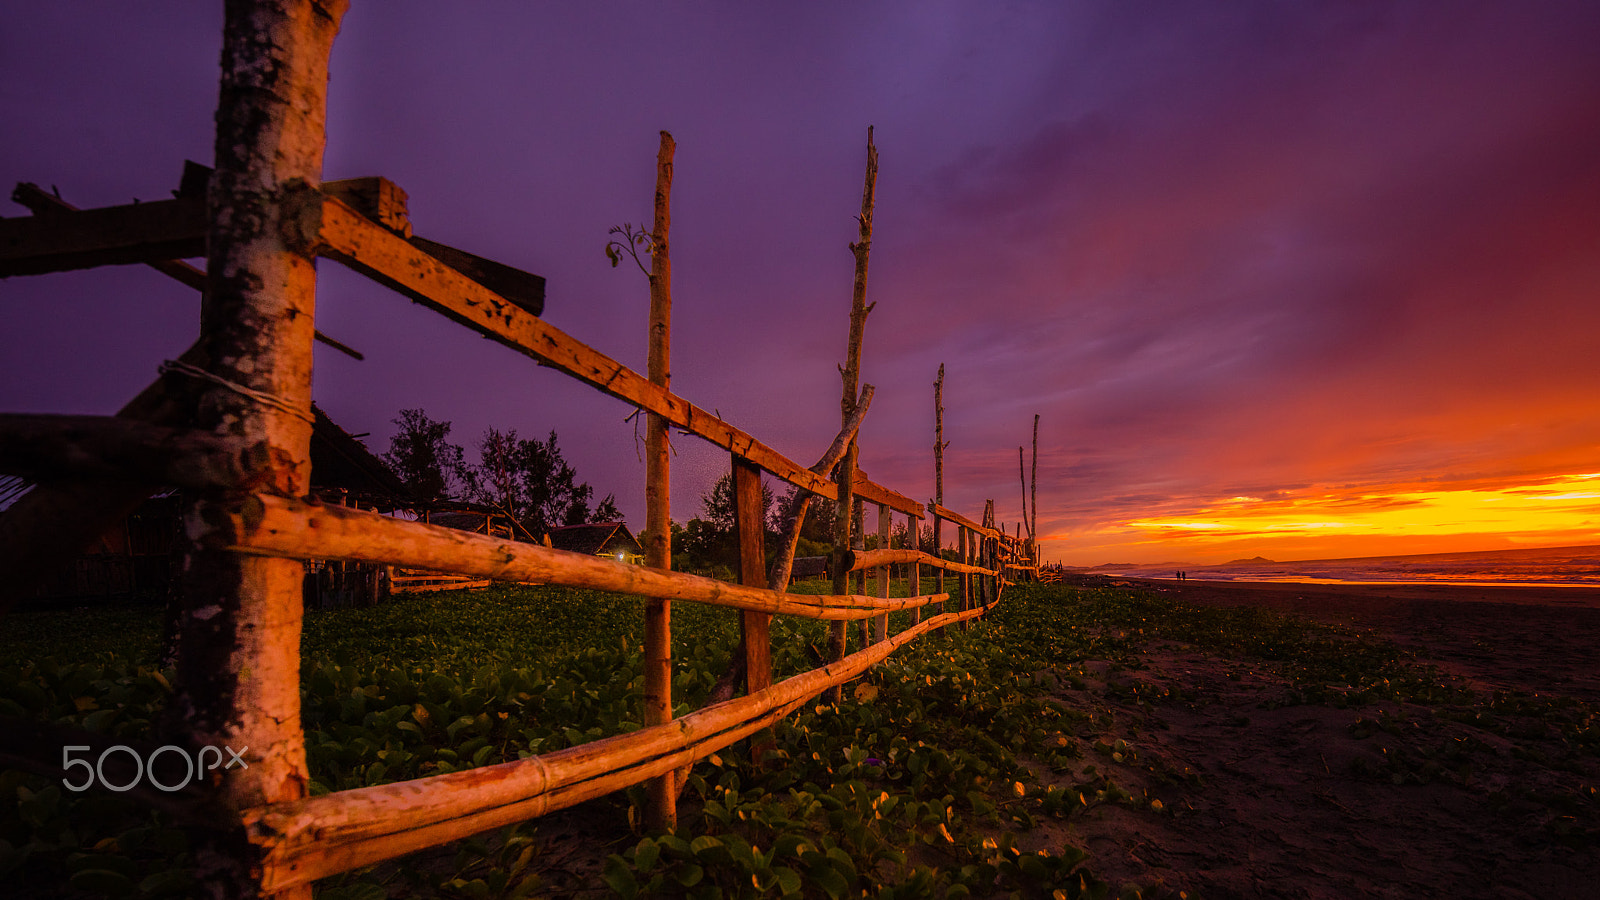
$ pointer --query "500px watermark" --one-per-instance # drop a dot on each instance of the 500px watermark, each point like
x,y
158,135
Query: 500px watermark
x,y
144,767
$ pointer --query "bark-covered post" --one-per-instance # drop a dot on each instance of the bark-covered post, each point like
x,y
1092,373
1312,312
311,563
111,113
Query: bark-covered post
x,y
850,374
663,814
238,659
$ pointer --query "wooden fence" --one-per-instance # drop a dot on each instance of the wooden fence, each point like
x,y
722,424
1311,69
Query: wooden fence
x,y
230,420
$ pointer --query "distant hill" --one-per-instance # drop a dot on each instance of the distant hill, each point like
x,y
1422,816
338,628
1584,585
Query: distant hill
x,y
1252,561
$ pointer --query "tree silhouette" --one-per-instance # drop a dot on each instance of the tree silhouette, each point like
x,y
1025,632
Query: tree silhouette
x,y
424,459
529,480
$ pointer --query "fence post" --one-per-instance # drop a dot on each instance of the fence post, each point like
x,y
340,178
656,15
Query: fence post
x,y
964,550
838,635
880,624
914,588
663,790
750,523
238,659
749,516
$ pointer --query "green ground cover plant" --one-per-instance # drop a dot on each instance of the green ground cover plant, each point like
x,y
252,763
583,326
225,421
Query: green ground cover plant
x,y
935,775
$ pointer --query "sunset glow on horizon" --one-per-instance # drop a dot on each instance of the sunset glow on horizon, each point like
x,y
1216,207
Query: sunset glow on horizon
x,y
1330,523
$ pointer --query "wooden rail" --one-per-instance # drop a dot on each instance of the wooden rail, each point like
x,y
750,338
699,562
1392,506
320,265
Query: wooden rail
x,y
304,840
872,559
340,233
271,526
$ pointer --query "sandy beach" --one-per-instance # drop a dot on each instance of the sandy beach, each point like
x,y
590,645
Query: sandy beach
x,y
1386,799
1531,639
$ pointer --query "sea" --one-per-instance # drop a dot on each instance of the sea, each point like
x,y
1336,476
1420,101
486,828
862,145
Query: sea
x,y
1543,566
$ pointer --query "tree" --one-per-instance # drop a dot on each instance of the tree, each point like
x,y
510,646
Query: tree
x,y
818,526
530,481
607,510
712,539
424,459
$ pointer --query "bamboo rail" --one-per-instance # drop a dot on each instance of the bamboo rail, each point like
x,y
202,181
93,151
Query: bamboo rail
x,y
871,559
292,529
304,840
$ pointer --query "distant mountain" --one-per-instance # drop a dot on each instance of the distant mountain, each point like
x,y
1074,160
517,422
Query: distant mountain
x,y
1252,561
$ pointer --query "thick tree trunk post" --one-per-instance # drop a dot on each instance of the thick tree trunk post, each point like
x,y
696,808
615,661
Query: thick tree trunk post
x,y
663,813
238,662
850,375
880,625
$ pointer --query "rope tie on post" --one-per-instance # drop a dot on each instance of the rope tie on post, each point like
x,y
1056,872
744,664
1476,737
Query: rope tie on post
x,y
262,397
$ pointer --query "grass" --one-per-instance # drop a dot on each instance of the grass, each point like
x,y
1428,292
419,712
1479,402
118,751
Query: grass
x,y
931,778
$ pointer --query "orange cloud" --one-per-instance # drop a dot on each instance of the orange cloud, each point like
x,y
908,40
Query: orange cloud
x,y
1326,522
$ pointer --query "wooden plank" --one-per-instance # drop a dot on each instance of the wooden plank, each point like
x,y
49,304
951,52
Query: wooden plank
x,y
113,235
112,448
963,521
41,203
346,236
304,840
525,289
870,491
749,515
377,198
293,529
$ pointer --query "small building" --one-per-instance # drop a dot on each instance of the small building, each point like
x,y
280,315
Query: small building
x,y
139,556
474,518
609,539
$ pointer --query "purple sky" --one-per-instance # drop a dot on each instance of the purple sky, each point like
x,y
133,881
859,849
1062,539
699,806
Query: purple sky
x,y
1279,251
